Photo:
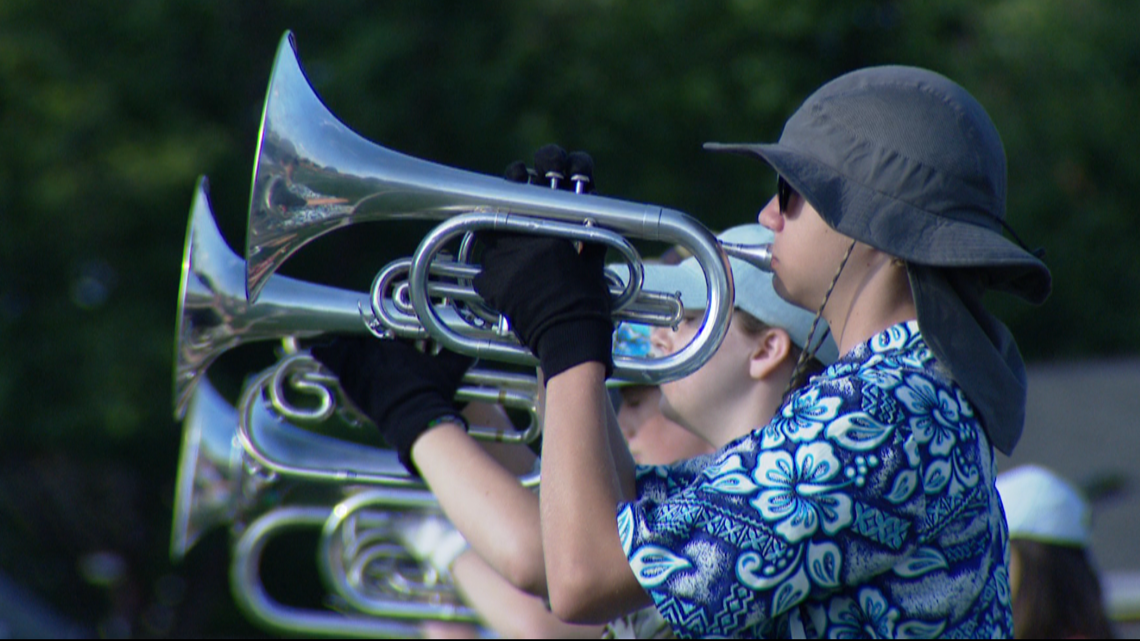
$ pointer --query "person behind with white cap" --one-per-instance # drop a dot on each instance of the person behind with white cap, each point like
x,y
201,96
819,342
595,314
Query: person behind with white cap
x,y
739,388
867,506
1053,582
765,330
506,610
765,339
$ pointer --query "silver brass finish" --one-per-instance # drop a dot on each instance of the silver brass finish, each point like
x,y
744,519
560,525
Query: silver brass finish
x,y
213,315
313,175
275,446
261,608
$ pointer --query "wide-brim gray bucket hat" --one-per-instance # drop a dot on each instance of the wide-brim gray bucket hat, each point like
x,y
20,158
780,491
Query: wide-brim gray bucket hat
x,y
907,161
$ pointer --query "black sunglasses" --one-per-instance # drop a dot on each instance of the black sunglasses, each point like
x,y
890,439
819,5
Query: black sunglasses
x,y
784,193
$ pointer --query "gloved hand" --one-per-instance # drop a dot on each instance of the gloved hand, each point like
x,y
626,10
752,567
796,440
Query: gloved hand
x,y
555,297
431,539
404,391
555,168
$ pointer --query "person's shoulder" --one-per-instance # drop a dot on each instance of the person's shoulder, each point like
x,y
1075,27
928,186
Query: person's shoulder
x,y
905,366
887,360
873,367
861,398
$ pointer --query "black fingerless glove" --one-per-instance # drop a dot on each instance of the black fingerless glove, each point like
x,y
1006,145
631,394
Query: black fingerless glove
x,y
402,390
556,298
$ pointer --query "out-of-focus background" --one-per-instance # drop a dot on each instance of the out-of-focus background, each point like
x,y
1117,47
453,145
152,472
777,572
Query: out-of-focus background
x,y
110,111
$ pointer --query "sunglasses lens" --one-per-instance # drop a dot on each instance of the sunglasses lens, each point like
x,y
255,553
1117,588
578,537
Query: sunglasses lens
x,y
783,194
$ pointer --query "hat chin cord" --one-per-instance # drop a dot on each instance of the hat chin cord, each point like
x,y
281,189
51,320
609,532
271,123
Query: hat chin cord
x,y
809,349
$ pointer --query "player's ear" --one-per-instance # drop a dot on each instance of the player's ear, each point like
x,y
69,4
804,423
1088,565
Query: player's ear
x,y
771,348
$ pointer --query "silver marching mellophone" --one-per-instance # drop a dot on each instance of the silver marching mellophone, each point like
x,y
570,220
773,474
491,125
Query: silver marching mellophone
x,y
240,462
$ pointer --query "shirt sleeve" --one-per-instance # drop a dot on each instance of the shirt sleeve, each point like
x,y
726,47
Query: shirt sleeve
x,y
816,500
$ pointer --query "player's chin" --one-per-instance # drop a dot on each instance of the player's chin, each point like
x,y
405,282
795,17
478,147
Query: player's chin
x,y
783,292
781,288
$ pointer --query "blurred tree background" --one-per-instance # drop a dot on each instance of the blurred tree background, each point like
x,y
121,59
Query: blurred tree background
x,y
110,111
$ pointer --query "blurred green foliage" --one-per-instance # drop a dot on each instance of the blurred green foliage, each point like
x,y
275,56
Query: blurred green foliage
x,y
109,112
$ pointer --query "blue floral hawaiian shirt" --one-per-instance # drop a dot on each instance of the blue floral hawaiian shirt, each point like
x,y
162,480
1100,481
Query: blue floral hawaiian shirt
x,y
866,508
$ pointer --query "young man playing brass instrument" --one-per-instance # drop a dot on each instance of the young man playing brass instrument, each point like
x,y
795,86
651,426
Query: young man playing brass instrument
x,y
867,505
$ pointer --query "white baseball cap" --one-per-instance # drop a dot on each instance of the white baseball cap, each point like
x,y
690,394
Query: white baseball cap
x,y
1042,506
754,292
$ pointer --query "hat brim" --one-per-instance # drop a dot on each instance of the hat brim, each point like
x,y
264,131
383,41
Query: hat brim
x,y
901,229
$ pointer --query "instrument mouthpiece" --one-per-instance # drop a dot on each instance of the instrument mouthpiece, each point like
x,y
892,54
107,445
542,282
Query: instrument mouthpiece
x,y
759,256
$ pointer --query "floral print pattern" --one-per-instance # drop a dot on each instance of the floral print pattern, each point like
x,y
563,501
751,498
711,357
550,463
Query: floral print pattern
x,y
866,508
800,495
